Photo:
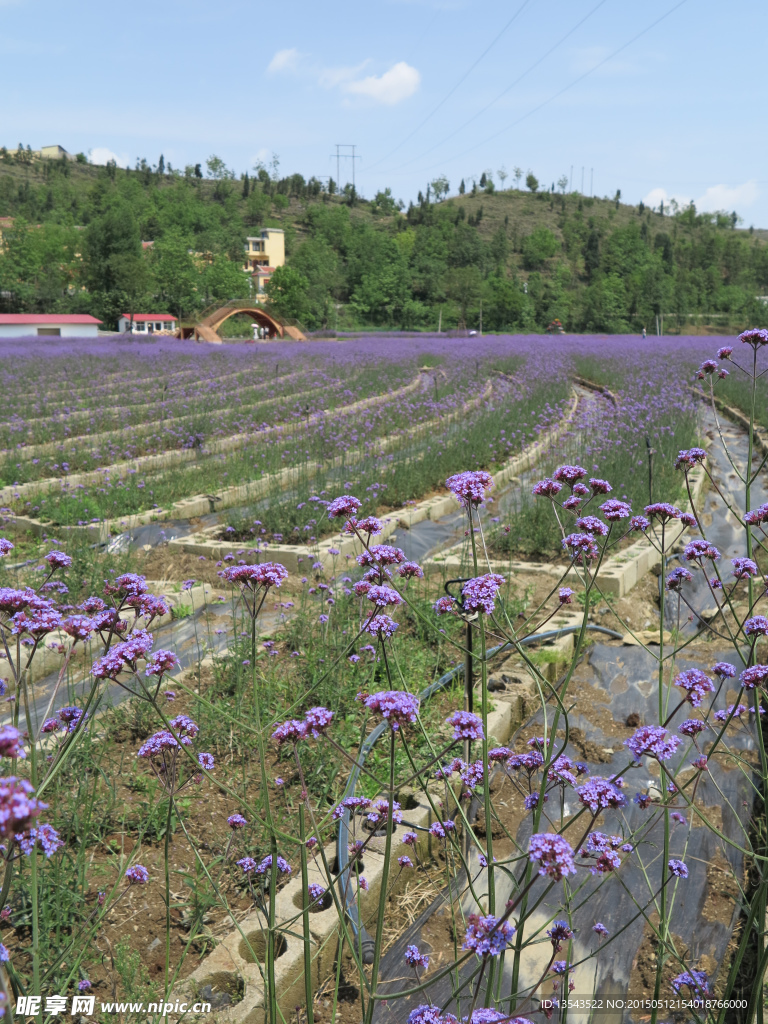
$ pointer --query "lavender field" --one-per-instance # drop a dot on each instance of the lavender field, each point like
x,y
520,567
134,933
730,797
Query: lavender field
x,y
493,746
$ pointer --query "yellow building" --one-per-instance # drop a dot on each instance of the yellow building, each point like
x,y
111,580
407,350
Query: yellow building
x,y
265,250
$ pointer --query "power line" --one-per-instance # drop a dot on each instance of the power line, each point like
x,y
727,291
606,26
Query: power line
x,y
575,81
509,88
461,81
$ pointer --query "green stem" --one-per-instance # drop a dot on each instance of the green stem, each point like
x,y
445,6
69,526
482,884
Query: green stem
x,y
305,919
384,879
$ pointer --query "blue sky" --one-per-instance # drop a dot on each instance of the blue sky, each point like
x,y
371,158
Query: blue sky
x,y
421,87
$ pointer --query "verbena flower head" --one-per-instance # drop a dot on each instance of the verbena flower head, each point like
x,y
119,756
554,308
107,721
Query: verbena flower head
x,y
344,506
756,626
252,577
5,546
425,1014
282,865
639,523
690,457
698,550
381,555
599,793
553,853
381,626
11,742
487,936
725,352
137,875
614,510
397,707
383,596
248,864
206,761
369,525
677,578
71,717
756,675
160,662
413,957
43,836
662,511
580,545
185,726
470,486
599,486
547,488
79,627
692,727
317,720
444,605
757,515
678,868
559,933
592,525
129,583
466,726
410,570
696,981
599,929
480,593
696,685
236,821
724,670
569,474
744,568
755,337
733,710
709,366
316,892
565,595
290,731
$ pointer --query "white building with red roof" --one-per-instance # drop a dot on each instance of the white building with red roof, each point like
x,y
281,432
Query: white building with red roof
x,y
57,325
147,323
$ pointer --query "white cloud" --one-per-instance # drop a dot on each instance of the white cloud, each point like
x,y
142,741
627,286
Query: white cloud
x,y
101,155
329,78
284,60
394,86
723,197
716,197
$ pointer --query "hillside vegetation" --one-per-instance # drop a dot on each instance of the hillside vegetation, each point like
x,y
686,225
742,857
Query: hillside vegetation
x,y
517,259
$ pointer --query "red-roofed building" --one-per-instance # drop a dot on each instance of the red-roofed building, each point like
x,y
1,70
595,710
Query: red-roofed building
x,y
57,325
147,323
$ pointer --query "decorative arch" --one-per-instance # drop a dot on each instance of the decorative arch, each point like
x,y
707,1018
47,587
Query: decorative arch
x,y
211,324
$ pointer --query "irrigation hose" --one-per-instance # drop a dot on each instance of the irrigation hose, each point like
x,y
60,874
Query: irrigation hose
x,y
363,941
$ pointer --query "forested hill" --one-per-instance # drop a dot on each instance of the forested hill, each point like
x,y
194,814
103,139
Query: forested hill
x,y
522,258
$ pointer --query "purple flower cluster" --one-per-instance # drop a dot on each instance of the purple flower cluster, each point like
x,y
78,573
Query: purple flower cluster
x,y
470,487
480,593
487,936
252,577
466,726
553,854
654,741
696,685
397,707
599,793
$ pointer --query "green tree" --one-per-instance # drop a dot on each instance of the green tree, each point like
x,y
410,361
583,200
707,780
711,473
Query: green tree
x,y
538,247
114,233
287,293
440,187
176,273
531,182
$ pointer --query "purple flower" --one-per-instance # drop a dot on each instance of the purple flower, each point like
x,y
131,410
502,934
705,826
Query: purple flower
x,y
696,981
437,830
410,838
756,626
662,510
10,742
678,868
733,710
251,577
487,936
381,626
58,560
724,670
425,1014
137,875
558,933
654,741
580,545
700,549
755,337
598,793
188,584
470,487
290,732
561,967
317,721
444,605
614,510
413,957
316,892
5,546
397,707
480,593
689,457
405,862
599,486
756,675
45,836
692,727
369,525
757,515
696,685
600,929
160,662
677,578
725,352
639,523
744,568
248,864
282,865
569,474
381,555
346,505
547,488
18,805
5,956
553,854
565,595
466,726
643,800
84,985
678,817
410,570
383,596
206,761
592,525
236,821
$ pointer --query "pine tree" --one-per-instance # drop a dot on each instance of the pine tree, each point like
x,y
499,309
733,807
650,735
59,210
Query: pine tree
x,y
462,188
